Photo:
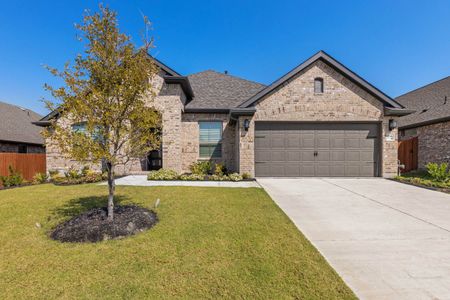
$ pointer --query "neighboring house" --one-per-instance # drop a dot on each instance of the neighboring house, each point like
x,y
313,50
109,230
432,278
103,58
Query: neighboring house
x,y
431,121
17,133
320,119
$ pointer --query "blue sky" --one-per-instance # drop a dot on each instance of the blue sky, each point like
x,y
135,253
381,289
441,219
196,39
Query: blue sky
x,y
396,45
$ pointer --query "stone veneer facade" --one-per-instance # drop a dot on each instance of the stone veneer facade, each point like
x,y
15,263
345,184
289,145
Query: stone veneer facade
x,y
295,100
433,142
341,100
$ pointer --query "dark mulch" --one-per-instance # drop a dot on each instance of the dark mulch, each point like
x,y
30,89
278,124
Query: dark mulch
x,y
93,225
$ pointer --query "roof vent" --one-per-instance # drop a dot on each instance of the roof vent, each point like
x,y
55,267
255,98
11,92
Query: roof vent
x,y
225,72
424,110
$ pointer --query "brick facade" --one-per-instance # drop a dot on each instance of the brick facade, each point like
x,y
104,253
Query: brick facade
x,y
295,100
190,140
341,100
434,142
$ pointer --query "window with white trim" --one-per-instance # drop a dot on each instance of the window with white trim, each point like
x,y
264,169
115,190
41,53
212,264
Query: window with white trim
x,y
210,139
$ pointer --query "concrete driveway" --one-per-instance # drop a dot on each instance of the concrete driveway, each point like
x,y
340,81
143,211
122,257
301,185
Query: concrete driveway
x,y
387,240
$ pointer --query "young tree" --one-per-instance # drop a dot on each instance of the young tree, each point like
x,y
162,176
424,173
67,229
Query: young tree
x,y
108,91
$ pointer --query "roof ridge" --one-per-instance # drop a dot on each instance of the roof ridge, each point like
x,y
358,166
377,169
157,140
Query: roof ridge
x,y
20,107
227,75
424,86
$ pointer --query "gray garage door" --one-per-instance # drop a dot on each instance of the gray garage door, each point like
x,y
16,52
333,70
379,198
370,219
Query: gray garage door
x,y
288,149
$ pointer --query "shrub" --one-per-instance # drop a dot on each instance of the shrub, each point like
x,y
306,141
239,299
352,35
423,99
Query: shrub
x,y
246,176
13,179
72,173
219,177
438,172
235,177
39,178
163,174
193,177
220,170
85,170
201,168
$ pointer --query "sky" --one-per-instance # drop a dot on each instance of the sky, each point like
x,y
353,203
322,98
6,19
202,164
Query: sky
x,y
395,45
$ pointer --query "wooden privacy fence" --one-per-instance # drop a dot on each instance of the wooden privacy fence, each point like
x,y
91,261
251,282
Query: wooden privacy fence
x,y
26,164
408,154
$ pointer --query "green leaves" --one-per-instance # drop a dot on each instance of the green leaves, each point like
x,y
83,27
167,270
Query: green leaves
x,y
109,88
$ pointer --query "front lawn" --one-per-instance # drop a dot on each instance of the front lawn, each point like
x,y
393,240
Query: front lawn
x,y
209,243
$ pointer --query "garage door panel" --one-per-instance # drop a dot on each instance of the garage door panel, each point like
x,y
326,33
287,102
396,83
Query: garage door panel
x,y
262,141
338,156
277,141
352,156
337,142
352,143
322,170
263,155
323,156
293,156
367,170
307,140
277,155
292,170
367,156
343,149
307,156
307,170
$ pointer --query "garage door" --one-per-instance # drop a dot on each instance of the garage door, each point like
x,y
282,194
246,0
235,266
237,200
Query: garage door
x,y
288,149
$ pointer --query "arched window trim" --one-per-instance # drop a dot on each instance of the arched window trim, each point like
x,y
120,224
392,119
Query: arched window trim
x,y
318,85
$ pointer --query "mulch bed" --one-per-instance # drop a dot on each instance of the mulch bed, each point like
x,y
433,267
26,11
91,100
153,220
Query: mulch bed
x,y
93,225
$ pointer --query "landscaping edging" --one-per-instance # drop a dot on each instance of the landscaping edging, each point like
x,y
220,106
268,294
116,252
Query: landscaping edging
x,y
442,190
141,180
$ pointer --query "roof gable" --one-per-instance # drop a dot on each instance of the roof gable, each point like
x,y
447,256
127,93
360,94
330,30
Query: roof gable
x,y
321,55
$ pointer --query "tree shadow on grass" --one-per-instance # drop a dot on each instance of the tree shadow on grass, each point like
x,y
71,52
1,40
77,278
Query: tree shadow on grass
x,y
79,205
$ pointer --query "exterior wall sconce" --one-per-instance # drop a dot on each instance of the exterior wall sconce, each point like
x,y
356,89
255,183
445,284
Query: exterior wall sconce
x,y
246,124
392,124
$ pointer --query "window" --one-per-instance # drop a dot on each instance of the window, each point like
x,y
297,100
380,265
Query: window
x,y
318,85
210,139
22,149
79,127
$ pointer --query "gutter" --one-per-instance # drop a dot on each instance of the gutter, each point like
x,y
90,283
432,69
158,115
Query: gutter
x,y
399,112
424,123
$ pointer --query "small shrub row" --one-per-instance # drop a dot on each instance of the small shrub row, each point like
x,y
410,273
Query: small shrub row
x,y
164,174
436,176
74,176
424,182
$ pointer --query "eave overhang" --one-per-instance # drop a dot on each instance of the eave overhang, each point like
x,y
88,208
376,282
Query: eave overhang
x,y
183,81
397,112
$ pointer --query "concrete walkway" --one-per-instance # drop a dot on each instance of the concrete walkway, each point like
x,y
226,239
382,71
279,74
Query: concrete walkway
x,y
141,180
387,240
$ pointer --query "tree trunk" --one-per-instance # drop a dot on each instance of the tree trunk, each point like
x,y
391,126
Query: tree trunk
x,y
111,189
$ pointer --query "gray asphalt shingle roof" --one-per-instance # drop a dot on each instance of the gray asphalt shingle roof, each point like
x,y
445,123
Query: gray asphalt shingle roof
x,y
15,125
222,91
428,102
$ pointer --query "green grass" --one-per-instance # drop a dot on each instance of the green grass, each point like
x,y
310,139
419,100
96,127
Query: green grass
x,y
209,243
